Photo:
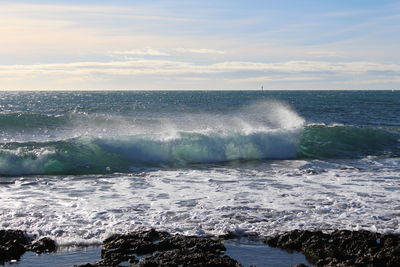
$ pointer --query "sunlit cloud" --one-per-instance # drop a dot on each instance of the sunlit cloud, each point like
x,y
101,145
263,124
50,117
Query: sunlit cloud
x,y
201,51
307,66
141,52
167,52
278,78
323,54
156,66
387,80
236,72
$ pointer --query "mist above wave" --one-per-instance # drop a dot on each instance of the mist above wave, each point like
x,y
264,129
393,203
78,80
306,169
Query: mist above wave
x,y
264,130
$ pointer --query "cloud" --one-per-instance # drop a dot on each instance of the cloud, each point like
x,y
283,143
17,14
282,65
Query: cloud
x,y
236,71
39,10
52,30
278,78
323,54
201,51
156,66
307,66
141,52
390,80
142,73
167,52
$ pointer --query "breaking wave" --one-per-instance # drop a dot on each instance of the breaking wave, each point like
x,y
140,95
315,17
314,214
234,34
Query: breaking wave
x,y
264,131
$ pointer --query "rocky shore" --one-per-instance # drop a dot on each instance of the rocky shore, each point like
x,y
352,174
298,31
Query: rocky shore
x,y
342,247
153,248
157,248
14,243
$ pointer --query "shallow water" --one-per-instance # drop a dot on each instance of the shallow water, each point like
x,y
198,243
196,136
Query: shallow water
x,y
245,252
258,254
64,258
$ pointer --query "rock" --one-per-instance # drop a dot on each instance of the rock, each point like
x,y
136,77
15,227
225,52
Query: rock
x,y
162,249
42,245
12,244
342,247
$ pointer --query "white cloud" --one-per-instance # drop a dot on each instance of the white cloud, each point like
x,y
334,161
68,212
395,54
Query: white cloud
x,y
307,66
239,71
53,30
141,52
387,80
323,54
70,10
167,52
141,65
201,51
279,78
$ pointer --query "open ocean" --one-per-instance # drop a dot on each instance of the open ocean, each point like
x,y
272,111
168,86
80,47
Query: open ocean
x,y
79,166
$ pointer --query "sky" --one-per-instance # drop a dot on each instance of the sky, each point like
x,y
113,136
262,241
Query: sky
x,y
199,45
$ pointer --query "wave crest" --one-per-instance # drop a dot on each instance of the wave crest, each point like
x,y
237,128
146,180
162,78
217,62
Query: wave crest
x,y
265,130
126,153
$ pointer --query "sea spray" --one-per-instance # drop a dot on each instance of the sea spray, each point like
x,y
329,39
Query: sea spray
x,y
265,130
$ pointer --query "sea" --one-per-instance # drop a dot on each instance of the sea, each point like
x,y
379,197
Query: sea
x,y
79,166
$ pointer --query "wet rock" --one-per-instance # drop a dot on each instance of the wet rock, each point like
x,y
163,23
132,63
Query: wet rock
x,y
12,244
227,236
153,248
342,247
42,245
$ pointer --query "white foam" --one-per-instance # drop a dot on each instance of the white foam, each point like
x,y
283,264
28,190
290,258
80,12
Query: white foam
x,y
22,161
267,198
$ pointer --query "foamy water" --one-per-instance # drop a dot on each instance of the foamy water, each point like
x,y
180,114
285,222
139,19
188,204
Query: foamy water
x,y
267,198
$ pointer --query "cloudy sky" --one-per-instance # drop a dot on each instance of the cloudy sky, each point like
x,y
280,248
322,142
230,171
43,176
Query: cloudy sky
x,y
202,44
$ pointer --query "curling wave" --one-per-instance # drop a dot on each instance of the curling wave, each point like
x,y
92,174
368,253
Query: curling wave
x,y
86,155
90,155
97,144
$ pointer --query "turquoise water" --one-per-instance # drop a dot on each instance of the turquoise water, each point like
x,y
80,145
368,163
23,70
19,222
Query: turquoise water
x,y
106,132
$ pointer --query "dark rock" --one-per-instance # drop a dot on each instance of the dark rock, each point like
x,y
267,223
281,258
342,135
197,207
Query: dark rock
x,y
342,247
42,245
162,249
227,236
12,244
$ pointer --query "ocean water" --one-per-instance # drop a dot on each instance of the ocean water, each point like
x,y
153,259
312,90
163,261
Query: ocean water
x,y
79,166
